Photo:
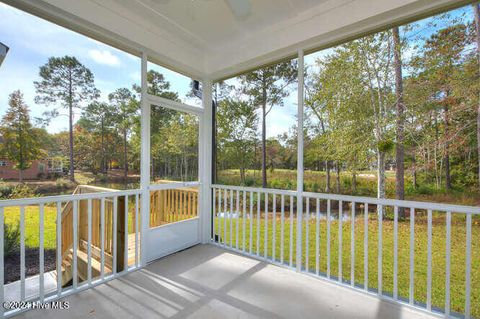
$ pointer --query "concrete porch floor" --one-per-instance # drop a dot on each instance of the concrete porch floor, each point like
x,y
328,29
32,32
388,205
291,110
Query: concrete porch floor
x,y
209,282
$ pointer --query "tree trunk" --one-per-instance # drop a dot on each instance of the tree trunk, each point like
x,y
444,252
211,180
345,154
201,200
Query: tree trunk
x,y
125,157
337,164
414,171
435,156
380,174
104,159
354,182
399,147
327,170
448,180
70,127
186,167
264,138
476,10
20,176
152,168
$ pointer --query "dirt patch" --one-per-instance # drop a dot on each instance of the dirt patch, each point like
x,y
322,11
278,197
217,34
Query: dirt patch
x,y
12,263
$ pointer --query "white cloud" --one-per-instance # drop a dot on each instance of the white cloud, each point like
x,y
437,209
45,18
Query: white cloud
x,y
104,57
136,76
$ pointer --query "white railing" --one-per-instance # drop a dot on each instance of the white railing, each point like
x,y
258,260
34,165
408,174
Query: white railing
x,y
91,254
398,250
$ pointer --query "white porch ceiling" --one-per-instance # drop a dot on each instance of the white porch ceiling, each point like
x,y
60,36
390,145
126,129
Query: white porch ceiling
x,y
205,39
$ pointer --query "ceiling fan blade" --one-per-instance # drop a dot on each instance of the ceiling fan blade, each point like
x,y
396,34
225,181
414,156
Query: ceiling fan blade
x,y
241,8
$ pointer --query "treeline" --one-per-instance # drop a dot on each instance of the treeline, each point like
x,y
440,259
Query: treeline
x,y
406,99
107,134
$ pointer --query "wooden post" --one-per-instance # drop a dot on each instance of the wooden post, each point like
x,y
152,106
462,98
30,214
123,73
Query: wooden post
x,y
121,234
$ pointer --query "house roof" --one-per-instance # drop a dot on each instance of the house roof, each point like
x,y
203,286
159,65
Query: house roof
x,y
217,39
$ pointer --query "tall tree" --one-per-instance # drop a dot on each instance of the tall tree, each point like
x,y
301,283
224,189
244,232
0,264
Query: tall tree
x,y
476,12
340,102
99,117
400,108
237,123
158,85
267,87
357,89
20,144
126,106
317,106
440,62
68,82
374,57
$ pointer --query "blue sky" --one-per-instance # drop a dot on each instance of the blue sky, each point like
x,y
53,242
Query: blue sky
x,y
33,40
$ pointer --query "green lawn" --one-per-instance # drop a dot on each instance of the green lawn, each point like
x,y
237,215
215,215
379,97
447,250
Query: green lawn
x,y
32,224
420,260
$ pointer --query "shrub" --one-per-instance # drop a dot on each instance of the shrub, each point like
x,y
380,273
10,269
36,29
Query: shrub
x,y
249,181
5,190
63,183
11,239
420,190
22,191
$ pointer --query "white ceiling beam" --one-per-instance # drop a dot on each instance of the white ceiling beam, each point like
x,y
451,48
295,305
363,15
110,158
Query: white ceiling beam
x,y
131,26
97,21
332,22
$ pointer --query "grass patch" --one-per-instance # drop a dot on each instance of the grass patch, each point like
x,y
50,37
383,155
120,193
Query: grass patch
x,y
32,224
420,259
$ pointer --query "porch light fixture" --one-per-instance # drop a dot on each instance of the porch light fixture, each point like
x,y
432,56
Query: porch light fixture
x,y
3,52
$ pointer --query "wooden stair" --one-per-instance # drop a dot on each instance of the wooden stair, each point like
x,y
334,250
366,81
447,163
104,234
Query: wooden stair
x,y
82,266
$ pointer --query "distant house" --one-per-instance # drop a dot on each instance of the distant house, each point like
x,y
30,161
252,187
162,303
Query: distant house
x,y
38,170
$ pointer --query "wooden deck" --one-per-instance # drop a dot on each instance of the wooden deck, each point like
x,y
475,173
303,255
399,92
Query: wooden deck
x,y
131,248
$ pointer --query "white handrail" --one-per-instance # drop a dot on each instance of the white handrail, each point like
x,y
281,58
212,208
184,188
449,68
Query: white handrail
x,y
69,265
65,198
173,185
362,199
256,189
263,213
400,203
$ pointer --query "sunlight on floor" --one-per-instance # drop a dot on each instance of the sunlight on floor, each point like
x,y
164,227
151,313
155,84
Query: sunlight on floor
x,y
208,282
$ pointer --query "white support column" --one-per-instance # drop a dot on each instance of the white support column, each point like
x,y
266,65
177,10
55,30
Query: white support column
x,y
205,162
300,159
144,162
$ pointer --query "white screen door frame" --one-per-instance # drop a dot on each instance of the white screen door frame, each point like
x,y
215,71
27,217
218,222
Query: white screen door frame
x,y
157,242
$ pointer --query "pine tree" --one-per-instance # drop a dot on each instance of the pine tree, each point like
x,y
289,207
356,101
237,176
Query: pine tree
x,y
267,87
19,141
68,82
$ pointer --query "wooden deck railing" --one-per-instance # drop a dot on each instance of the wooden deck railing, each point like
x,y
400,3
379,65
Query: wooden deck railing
x,y
173,205
79,229
67,225
167,206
